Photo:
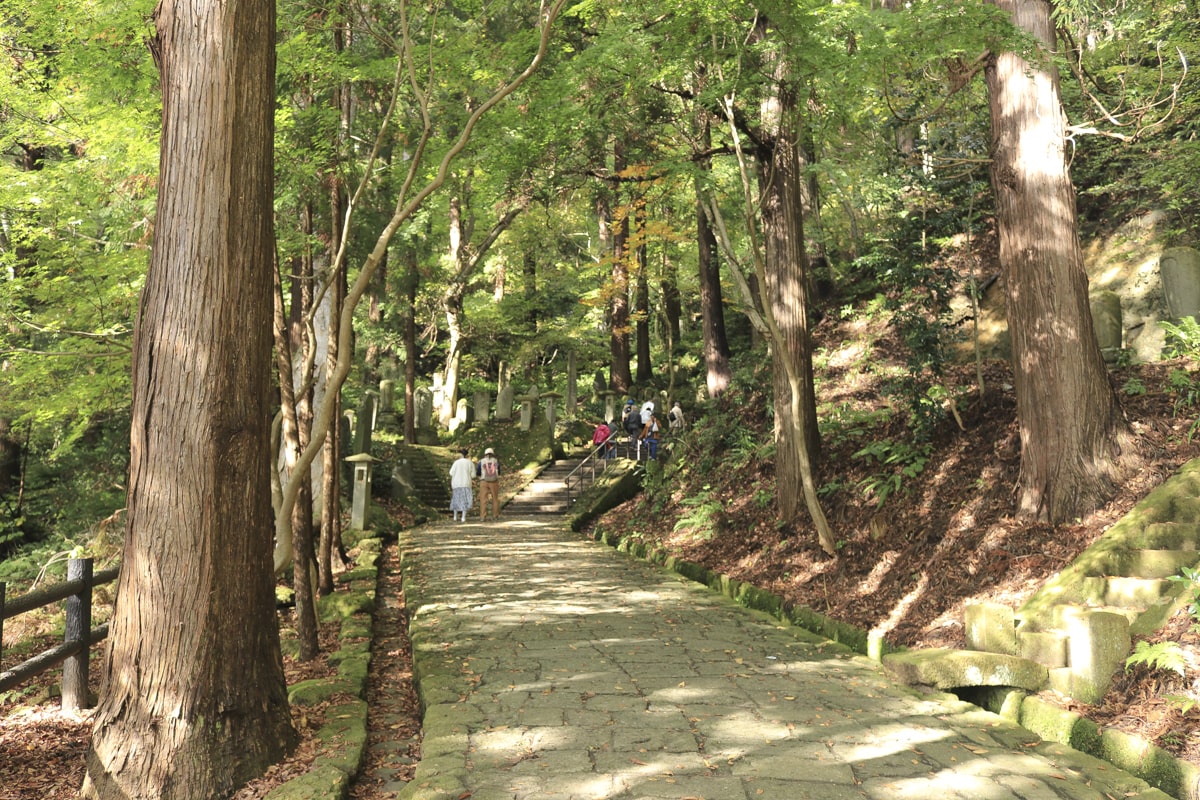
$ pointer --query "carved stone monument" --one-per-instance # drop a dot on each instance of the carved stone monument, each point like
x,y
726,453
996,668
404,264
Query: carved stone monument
x,y
1179,268
483,405
1106,319
504,397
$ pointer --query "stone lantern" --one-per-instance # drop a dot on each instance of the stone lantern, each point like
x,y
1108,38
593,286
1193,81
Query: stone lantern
x,y
363,463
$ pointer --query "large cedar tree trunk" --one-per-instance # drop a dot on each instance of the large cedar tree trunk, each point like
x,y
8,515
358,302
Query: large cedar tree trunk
x,y
1070,422
194,701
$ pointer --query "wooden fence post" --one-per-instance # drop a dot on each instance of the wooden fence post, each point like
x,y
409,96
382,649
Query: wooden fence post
x,y
78,629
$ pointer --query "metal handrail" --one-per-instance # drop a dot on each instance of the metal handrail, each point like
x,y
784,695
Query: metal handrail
x,y
588,460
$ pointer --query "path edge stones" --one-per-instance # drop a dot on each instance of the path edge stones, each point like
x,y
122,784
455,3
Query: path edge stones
x,y
1172,776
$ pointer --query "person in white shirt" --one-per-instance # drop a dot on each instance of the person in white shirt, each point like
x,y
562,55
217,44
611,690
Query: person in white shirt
x,y
462,472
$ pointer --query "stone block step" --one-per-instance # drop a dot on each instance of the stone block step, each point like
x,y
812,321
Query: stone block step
x,y
1134,593
1165,536
1150,564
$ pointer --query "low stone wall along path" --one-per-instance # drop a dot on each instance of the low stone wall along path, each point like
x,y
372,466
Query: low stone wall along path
x,y
551,666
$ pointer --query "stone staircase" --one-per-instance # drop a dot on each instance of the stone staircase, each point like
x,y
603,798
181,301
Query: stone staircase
x,y
545,494
429,479
1076,630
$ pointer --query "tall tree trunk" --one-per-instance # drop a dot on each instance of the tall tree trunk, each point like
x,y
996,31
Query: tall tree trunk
x,y
668,286
412,280
620,378
532,306
645,367
330,542
1070,422
194,701
717,372
783,246
300,354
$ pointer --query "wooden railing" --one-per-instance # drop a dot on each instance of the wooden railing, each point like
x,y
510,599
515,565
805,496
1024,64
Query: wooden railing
x,y
78,636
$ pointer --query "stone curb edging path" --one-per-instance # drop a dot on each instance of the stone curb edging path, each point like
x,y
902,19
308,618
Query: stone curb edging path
x,y
344,735
549,666
1134,754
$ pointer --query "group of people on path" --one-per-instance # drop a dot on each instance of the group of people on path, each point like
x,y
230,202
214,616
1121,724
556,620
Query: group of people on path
x,y
463,473
642,427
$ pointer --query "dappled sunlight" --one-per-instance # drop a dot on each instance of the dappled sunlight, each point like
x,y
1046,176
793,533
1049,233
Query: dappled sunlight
x,y
889,739
586,674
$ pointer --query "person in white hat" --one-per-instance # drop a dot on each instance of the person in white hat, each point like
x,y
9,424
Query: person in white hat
x,y
489,484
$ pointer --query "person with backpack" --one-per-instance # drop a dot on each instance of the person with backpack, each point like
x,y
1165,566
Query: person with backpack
x,y
631,421
675,420
489,484
461,498
600,438
649,437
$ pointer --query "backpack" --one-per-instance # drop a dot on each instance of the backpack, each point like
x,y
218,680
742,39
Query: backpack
x,y
489,469
671,417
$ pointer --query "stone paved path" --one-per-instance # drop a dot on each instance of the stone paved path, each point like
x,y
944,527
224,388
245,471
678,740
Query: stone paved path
x,y
555,667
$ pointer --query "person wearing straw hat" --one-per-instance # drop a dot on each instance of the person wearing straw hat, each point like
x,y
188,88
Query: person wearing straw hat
x,y
489,484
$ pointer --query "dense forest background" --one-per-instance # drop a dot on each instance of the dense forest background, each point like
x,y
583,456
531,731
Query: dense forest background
x,y
568,224
793,218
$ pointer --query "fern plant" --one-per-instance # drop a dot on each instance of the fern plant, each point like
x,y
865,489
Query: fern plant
x,y
1166,655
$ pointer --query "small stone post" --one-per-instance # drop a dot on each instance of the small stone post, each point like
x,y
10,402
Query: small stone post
x,y
361,498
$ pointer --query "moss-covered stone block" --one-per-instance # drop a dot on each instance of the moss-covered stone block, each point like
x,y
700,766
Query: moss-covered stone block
x,y
1055,724
1097,645
341,605
370,545
323,782
362,573
1045,647
991,627
355,628
1152,764
953,669
344,737
354,671
318,690
760,600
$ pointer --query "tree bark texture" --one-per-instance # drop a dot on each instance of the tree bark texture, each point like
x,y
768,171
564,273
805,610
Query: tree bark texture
x,y
194,700
1070,421
717,371
617,232
783,239
645,366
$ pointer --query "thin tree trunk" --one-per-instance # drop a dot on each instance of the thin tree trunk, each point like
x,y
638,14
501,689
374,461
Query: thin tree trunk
x,y
1072,433
717,372
412,280
620,378
194,701
645,367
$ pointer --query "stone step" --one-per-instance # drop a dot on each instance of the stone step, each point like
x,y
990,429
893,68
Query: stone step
x,y
1149,564
1165,536
1134,593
